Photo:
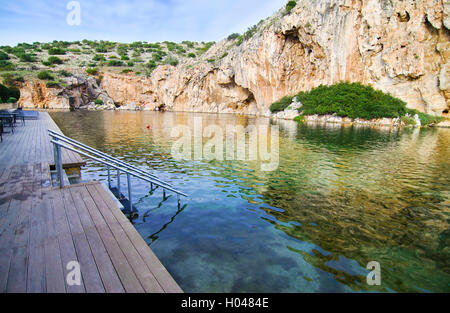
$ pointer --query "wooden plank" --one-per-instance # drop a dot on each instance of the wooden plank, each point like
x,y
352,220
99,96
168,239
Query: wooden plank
x,y
36,265
54,270
124,270
143,273
64,236
7,228
17,277
106,269
154,264
89,271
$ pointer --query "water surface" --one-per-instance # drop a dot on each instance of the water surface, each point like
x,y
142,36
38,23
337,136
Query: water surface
x,y
340,198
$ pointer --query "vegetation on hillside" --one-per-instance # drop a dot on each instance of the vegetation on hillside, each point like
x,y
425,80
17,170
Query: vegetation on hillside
x,y
9,95
352,100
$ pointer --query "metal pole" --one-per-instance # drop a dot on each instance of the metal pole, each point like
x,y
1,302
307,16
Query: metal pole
x,y
118,183
164,194
59,168
55,156
129,192
109,177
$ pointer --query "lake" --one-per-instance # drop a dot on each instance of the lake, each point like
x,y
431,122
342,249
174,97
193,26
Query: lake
x,y
339,198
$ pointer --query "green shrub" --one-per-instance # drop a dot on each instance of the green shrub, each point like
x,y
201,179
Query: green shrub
x,y
408,120
11,100
250,32
101,49
122,49
127,70
25,57
130,64
189,44
172,61
299,119
191,55
281,104
45,75
10,80
56,51
4,56
240,40
64,73
157,57
233,36
91,71
124,58
52,84
115,63
290,5
99,57
426,119
54,60
351,99
206,47
98,101
4,93
151,65
14,92
224,55
6,66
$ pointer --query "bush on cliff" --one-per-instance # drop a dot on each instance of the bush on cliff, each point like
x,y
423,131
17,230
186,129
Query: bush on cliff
x,y
281,104
346,99
91,71
426,119
45,75
54,60
290,5
56,51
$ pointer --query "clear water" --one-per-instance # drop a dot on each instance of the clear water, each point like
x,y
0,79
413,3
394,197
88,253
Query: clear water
x,y
340,198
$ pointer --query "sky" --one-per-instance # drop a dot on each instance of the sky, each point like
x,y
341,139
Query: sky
x,y
130,20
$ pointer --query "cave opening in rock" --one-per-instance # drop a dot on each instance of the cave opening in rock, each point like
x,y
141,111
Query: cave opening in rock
x,y
403,17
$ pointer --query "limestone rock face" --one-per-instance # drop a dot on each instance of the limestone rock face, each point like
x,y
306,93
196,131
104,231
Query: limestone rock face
x,y
77,93
400,47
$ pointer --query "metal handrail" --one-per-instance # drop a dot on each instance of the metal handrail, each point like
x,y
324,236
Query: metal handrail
x,y
104,155
117,167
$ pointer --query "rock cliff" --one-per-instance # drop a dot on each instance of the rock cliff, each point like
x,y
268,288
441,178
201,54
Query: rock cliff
x,y
400,47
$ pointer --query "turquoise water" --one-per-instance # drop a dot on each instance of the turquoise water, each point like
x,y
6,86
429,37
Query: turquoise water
x,y
340,198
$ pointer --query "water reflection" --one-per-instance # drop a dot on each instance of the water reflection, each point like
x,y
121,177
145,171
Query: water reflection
x,y
340,198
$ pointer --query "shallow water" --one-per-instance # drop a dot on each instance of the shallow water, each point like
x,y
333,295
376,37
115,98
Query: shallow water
x,y
340,198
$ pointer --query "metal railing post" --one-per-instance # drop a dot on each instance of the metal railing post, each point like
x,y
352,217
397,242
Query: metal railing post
x,y
118,183
59,168
109,177
55,156
129,191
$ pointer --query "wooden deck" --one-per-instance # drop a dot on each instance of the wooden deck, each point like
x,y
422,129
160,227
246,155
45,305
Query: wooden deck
x,y
30,144
43,228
